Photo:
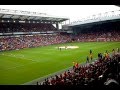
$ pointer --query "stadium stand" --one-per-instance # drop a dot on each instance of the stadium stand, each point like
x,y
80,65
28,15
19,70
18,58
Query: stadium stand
x,y
25,27
27,41
98,36
18,35
102,72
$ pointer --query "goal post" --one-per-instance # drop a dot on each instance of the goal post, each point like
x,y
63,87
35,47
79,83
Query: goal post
x,y
101,40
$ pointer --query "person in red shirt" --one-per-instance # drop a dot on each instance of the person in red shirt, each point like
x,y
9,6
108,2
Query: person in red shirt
x,y
76,65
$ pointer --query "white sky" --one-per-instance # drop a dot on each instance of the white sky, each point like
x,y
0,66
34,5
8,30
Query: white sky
x,y
74,12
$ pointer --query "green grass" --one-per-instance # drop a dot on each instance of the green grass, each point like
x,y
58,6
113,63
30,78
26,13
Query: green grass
x,y
21,66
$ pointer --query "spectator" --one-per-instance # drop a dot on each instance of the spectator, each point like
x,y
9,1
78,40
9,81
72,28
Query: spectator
x,y
99,73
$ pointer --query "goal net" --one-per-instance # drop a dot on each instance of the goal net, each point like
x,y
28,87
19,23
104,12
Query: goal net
x,y
101,39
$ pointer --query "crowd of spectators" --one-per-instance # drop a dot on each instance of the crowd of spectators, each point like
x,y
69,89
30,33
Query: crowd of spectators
x,y
12,43
104,71
98,36
27,41
25,27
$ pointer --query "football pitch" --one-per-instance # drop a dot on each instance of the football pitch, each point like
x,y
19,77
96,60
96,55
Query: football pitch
x,y
21,66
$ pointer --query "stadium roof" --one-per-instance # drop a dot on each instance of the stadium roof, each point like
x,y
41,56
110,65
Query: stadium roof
x,y
26,15
111,15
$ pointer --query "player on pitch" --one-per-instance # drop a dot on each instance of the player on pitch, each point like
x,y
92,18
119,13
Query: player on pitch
x,y
91,56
